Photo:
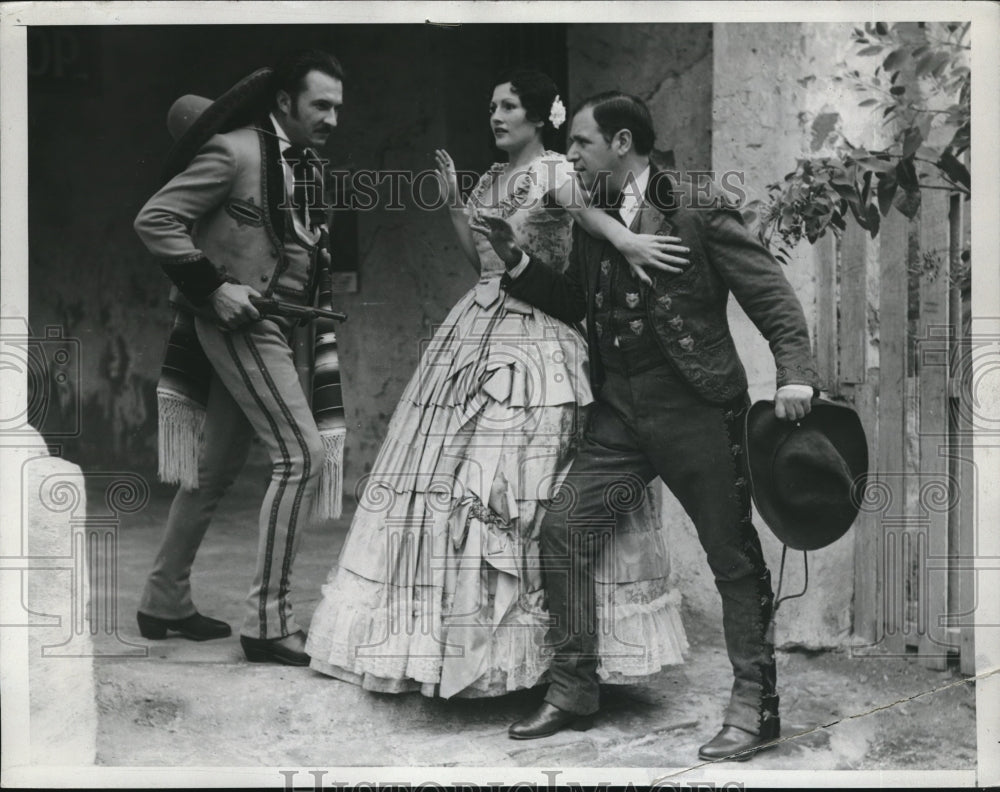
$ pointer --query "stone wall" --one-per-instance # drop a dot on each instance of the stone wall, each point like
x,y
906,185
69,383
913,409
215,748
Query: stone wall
x,y
669,67
49,646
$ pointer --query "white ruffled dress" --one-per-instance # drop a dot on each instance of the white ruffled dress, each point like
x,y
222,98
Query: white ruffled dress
x,y
434,590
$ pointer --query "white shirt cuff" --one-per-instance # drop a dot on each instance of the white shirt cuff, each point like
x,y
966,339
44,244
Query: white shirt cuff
x,y
519,268
802,390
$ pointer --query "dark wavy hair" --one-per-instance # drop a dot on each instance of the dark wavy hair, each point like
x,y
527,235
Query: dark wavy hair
x,y
537,91
614,111
291,70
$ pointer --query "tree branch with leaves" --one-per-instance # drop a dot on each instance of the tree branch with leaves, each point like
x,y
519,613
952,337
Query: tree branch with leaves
x,y
921,90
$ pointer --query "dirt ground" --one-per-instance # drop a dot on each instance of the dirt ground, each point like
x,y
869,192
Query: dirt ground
x,y
179,703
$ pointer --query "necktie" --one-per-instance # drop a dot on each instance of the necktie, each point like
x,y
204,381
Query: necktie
x,y
303,174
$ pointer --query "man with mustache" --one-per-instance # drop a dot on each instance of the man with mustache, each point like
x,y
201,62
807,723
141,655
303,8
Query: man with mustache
x,y
233,222
671,401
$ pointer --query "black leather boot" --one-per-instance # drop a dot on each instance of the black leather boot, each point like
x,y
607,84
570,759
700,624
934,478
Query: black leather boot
x,y
752,717
194,627
738,745
286,650
547,720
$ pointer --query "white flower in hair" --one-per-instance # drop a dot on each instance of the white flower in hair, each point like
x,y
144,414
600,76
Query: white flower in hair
x,y
557,113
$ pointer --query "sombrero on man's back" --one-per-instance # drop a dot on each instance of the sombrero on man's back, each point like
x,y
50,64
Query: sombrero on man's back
x,y
192,120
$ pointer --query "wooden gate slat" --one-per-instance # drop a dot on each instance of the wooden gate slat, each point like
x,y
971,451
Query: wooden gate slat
x,y
956,463
891,465
826,311
962,537
867,545
933,341
853,325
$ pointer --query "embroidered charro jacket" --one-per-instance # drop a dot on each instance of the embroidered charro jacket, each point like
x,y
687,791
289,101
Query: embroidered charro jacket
x,y
687,311
220,220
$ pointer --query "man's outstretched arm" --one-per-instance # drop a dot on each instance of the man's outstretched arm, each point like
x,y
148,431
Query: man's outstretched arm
x,y
560,295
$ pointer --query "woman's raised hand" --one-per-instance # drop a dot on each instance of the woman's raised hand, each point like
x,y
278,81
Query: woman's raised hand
x,y
447,177
664,253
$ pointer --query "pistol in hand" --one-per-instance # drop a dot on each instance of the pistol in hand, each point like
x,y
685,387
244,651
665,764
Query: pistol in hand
x,y
268,306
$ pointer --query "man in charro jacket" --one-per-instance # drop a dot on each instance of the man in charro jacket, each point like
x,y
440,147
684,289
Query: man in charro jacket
x,y
232,223
671,396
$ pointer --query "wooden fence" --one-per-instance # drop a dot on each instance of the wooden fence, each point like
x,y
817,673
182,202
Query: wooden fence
x,y
892,338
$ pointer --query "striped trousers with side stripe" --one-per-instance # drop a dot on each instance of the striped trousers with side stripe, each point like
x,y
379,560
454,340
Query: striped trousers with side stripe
x,y
255,390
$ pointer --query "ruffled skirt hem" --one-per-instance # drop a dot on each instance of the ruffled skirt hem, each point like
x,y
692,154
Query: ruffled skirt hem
x,y
367,646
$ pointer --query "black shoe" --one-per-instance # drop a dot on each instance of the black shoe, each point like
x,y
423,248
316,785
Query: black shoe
x,y
736,744
287,650
547,720
195,627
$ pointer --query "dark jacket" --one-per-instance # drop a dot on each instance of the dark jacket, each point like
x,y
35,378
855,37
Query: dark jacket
x,y
687,311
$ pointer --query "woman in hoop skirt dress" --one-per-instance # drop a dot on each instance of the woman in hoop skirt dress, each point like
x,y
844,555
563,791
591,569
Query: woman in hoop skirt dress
x,y
439,587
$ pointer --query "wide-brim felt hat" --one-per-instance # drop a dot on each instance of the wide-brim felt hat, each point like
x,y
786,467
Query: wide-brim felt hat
x,y
192,120
807,477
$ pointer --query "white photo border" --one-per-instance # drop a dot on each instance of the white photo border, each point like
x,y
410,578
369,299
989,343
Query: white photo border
x,y
985,157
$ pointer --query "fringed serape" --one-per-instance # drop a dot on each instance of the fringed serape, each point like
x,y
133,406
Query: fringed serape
x,y
182,395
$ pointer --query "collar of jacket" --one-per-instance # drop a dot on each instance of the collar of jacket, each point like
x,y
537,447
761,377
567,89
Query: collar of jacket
x,y
667,193
662,199
272,180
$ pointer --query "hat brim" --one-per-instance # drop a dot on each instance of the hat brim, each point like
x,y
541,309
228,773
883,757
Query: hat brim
x,y
237,107
764,433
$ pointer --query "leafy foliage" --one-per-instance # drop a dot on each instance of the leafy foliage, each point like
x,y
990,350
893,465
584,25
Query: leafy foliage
x,y
920,89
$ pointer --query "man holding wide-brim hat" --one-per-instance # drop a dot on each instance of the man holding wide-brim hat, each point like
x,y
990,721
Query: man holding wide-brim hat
x,y
232,223
671,399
